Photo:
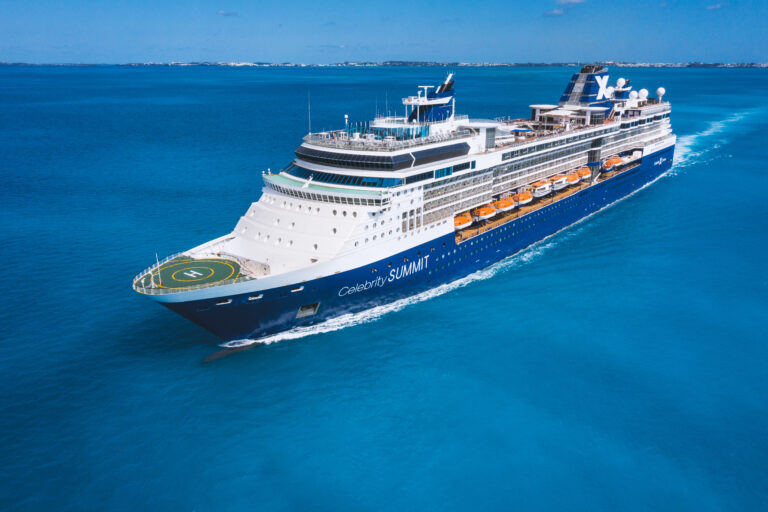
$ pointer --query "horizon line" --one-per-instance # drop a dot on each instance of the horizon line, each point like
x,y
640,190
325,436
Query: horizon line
x,y
397,63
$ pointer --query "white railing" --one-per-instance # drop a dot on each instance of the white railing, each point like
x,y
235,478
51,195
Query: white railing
x,y
380,144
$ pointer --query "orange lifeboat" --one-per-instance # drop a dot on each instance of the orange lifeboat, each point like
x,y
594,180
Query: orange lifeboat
x,y
523,197
462,221
584,173
483,212
611,162
573,178
541,188
504,204
559,181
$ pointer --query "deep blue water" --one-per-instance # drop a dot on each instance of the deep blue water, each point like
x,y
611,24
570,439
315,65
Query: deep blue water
x,y
620,365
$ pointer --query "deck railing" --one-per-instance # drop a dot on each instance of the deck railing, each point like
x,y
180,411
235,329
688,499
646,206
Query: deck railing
x,y
381,145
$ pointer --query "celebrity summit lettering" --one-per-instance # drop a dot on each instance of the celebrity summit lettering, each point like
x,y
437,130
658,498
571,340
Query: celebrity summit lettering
x,y
395,274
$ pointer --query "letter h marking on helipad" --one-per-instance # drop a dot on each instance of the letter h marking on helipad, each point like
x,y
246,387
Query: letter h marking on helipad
x,y
193,273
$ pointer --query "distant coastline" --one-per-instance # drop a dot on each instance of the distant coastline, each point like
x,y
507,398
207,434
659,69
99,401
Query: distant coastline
x,y
404,63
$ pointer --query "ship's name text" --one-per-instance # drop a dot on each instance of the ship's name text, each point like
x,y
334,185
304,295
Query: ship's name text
x,y
395,274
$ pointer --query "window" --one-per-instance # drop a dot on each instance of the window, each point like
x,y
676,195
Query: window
x,y
419,177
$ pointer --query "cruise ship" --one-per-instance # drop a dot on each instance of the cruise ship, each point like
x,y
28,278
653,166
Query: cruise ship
x,y
380,210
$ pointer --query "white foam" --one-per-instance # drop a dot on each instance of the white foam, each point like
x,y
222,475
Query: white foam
x,y
690,149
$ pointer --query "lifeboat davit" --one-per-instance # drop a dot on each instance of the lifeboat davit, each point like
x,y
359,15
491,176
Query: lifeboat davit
x,y
504,204
559,181
523,197
584,173
541,188
483,212
611,162
573,178
462,221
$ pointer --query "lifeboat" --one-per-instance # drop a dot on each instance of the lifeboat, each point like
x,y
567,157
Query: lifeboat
x,y
611,162
573,178
559,181
462,221
504,204
483,212
523,197
584,173
541,188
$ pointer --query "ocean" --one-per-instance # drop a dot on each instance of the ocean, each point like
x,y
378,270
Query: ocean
x,y
618,365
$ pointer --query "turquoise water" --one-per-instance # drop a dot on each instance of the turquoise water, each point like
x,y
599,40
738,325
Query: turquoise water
x,y
619,365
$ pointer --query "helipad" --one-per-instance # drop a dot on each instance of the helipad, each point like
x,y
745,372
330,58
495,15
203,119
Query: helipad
x,y
185,272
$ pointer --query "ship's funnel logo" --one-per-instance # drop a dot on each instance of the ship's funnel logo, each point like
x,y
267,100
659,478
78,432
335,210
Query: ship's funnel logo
x,y
602,83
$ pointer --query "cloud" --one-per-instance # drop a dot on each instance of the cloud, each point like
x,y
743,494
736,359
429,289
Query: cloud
x,y
227,13
714,7
567,4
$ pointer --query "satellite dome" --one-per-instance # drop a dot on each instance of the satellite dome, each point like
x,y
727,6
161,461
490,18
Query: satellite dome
x,y
633,95
609,91
661,92
643,93
620,82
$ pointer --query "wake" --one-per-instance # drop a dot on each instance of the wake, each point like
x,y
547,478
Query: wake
x,y
694,148
689,150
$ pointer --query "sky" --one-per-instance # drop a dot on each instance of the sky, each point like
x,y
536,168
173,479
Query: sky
x,y
328,31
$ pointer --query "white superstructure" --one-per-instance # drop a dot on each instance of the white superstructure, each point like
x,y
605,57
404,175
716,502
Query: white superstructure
x,y
373,189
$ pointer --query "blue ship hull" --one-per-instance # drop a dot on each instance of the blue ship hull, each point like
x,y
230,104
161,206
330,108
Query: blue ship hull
x,y
423,267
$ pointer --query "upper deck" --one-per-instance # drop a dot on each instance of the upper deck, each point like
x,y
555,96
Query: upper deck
x,y
394,134
391,134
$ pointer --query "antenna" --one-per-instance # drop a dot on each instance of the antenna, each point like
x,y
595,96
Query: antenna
x,y
309,112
